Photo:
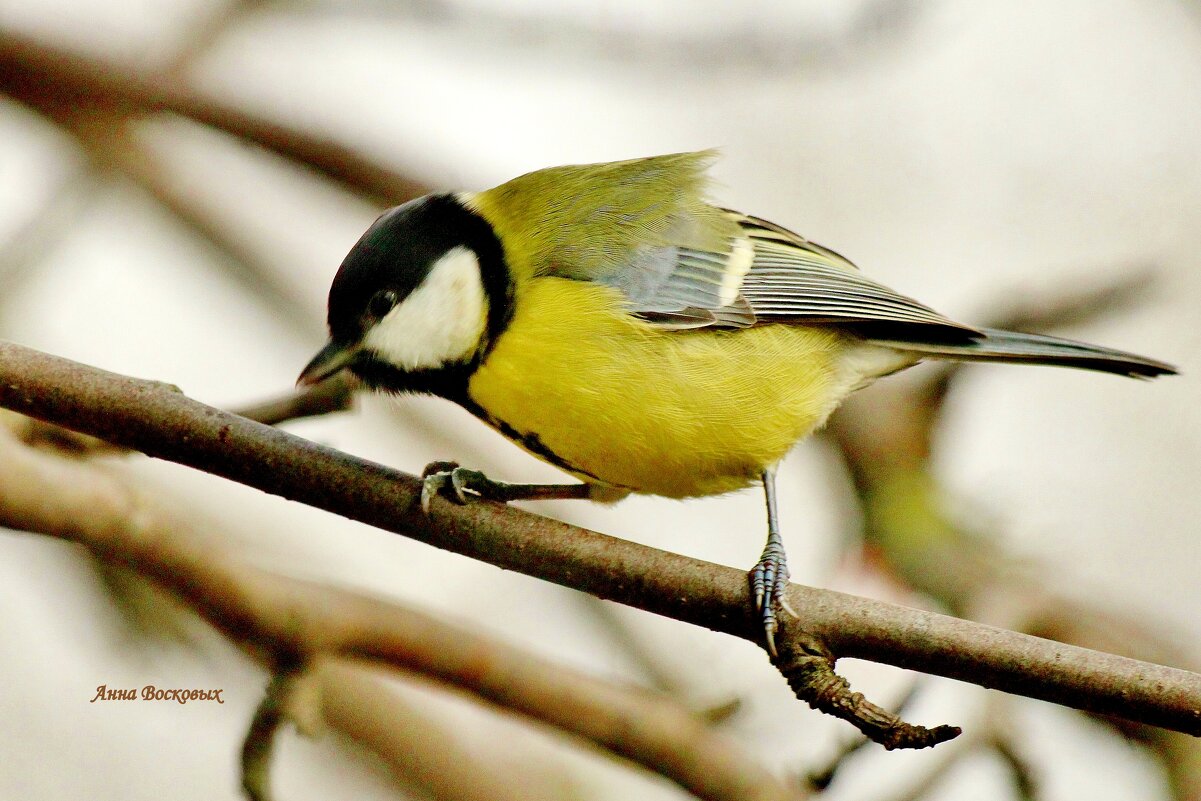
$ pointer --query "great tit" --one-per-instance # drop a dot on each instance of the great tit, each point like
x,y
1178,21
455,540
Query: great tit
x,y
611,321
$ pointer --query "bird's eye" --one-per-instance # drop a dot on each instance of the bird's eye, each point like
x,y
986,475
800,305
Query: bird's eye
x,y
381,303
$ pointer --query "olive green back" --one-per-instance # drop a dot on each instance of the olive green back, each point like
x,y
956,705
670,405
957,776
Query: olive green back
x,y
590,221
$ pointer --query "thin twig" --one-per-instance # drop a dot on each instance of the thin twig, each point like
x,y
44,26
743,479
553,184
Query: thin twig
x,y
260,739
809,668
202,36
151,418
820,778
335,394
1025,787
427,754
656,672
619,633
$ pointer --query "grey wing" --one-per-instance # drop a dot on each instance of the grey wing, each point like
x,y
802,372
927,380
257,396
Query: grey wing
x,y
793,280
693,288
768,274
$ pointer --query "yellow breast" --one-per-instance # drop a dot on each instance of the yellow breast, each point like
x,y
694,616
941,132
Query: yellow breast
x,y
677,413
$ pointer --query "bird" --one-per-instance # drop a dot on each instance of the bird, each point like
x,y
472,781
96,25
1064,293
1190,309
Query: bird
x,y
611,320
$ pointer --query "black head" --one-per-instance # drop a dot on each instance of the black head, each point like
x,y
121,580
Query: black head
x,y
424,290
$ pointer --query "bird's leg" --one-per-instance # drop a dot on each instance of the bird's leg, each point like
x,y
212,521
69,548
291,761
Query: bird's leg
x,y
459,484
769,578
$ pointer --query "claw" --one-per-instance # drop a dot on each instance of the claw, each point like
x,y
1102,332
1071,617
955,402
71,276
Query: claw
x,y
438,467
463,484
769,581
458,481
431,485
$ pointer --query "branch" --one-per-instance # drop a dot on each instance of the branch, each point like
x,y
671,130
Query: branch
x,y
819,779
260,739
332,395
292,625
161,422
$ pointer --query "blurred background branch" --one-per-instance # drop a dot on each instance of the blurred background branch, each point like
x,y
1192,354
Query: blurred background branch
x,y
62,85
294,625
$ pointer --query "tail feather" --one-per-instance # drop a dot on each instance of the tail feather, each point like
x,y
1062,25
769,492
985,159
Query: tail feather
x,y
1010,346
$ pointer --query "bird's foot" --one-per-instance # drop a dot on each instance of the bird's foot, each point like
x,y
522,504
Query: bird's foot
x,y
456,483
769,586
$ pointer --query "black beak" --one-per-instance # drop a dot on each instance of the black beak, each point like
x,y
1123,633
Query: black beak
x,y
330,360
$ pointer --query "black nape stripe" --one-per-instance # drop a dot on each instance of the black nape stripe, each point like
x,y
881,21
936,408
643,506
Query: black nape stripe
x,y
454,224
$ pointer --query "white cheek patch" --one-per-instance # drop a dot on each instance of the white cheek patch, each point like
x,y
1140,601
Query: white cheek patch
x,y
442,321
